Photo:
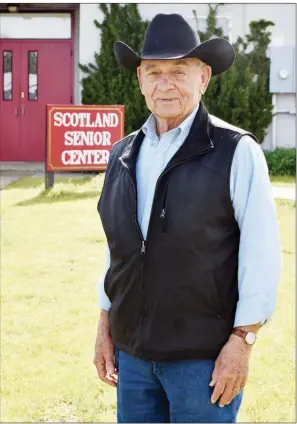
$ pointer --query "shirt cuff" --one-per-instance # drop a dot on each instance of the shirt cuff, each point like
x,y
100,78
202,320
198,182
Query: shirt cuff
x,y
103,300
254,310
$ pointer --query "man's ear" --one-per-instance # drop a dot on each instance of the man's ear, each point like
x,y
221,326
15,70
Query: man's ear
x,y
206,75
139,78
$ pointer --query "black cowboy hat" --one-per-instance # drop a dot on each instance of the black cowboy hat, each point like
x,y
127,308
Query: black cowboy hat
x,y
171,37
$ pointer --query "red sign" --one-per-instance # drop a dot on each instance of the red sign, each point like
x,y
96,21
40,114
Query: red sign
x,y
80,137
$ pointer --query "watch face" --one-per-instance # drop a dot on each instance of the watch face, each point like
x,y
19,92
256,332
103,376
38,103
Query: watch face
x,y
250,338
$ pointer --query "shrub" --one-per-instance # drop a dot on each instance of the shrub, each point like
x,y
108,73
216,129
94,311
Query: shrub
x,y
281,162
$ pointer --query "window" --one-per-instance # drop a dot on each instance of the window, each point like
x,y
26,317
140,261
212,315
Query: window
x,y
32,75
35,25
7,75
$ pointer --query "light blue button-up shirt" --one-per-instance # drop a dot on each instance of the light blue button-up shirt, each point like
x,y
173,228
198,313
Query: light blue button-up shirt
x,y
259,262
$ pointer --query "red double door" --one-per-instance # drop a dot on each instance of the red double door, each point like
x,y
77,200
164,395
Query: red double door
x,y
33,74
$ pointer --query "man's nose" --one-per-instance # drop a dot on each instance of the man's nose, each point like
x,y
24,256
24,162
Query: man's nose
x,y
165,83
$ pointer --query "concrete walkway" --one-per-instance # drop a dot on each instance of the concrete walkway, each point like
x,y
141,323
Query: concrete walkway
x,y
11,171
287,193
22,166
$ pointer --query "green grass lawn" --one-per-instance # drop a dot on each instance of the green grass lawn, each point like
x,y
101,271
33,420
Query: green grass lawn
x,y
52,253
283,180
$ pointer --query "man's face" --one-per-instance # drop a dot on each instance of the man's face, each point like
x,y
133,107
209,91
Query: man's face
x,y
173,88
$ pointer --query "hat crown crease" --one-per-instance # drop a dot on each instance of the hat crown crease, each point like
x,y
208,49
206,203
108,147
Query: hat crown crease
x,y
169,34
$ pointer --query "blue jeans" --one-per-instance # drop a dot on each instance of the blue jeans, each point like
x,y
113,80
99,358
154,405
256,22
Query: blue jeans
x,y
168,391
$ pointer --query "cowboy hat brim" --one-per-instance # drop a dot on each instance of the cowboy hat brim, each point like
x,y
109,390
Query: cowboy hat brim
x,y
218,53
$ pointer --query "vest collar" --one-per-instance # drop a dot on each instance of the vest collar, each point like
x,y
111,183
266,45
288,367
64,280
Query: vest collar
x,y
197,142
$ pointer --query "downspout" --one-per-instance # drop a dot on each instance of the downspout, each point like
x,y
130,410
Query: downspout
x,y
273,129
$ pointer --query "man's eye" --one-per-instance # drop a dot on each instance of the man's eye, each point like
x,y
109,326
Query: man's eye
x,y
180,72
153,73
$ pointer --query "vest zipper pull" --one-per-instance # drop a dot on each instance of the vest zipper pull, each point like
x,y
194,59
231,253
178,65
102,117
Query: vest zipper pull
x,y
162,213
143,247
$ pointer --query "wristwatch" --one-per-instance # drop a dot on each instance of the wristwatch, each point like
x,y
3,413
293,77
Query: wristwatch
x,y
249,337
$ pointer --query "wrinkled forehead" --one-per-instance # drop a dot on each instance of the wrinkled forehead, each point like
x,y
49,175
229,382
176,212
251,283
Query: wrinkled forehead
x,y
147,64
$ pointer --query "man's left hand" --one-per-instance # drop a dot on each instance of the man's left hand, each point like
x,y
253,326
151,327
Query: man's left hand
x,y
231,370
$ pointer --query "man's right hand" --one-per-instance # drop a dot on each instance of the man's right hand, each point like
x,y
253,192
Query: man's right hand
x,y
103,358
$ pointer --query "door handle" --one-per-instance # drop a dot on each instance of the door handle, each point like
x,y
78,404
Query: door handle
x,y
16,111
23,110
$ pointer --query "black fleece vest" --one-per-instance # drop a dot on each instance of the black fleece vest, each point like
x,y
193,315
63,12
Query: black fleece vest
x,y
174,295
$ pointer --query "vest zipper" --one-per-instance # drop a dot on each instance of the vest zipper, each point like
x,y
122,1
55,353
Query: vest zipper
x,y
142,247
143,297
142,254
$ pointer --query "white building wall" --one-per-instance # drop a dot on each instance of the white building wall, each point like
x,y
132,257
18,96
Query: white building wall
x,y
240,15
283,15
89,40
267,143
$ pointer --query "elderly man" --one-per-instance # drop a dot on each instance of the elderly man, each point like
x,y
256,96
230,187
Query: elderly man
x,y
194,256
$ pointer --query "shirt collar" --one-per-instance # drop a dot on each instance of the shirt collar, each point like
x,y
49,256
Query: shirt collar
x,y
149,127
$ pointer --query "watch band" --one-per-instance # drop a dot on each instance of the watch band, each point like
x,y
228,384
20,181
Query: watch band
x,y
240,333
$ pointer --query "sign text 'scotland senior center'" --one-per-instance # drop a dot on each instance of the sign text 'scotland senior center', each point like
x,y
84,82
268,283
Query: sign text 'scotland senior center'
x,y
81,137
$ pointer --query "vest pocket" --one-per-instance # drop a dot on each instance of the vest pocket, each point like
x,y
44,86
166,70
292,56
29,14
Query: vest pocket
x,y
217,303
163,215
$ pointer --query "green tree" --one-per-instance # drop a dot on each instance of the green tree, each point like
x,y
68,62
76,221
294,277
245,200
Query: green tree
x,y
241,95
106,82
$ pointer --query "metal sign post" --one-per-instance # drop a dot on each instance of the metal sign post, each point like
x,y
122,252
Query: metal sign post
x,y
49,179
48,175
